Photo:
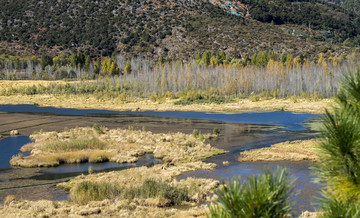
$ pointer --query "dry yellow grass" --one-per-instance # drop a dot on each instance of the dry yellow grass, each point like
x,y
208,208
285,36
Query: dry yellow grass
x,y
296,104
136,176
308,214
244,105
116,145
5,84
293,151
107,208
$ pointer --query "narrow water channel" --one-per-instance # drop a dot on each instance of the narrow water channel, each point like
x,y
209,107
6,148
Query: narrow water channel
x,y
238,132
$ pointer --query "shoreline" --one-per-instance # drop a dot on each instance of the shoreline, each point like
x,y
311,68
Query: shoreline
x,y
299,105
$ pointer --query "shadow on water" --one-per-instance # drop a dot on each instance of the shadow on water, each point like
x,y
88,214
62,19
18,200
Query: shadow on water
x,y
72,170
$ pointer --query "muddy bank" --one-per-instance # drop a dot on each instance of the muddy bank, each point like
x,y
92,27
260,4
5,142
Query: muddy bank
x,y
18,182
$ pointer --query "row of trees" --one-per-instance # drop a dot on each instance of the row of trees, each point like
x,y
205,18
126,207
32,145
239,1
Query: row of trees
x,y
195,81
82,65
79,65
262,59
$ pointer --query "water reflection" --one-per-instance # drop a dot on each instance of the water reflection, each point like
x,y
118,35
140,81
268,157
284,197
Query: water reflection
x,y
71,170
9,147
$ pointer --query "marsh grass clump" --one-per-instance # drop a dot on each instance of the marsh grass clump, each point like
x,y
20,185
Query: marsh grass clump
x,y
195,133
201,136
98,129
266,195
85,192
154,189
75,145
90,170
9,199
216,132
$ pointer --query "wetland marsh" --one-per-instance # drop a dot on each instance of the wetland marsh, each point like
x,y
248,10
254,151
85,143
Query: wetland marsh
x,y
238,132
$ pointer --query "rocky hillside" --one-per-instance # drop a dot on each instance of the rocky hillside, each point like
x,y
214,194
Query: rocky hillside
x,y
175,28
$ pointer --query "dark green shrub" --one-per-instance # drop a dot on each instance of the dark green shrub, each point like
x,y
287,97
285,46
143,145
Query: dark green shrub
x,y
266,195
339,149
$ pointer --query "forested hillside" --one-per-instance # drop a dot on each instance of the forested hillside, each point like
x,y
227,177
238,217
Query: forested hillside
x,y
178,29
350,5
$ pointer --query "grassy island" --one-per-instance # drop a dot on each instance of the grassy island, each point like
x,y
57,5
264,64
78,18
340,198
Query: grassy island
x,y
291,150
98,144
136,192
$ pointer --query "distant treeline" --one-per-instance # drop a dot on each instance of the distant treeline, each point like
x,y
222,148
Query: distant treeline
x,y
214,77
81,65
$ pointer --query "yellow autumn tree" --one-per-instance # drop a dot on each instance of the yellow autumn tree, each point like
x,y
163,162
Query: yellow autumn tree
x,y
127,69
214,61
109,67
106,64
321,58
114,69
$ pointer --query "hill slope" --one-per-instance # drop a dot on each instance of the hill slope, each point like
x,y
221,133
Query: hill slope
x,y
174,28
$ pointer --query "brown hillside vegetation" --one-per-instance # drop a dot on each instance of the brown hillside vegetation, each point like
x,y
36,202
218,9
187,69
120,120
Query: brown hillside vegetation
x,y
171,28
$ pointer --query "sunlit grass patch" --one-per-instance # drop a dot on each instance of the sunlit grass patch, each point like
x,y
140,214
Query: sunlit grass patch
x,y
75,145
87,191
291,150
154,189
